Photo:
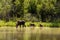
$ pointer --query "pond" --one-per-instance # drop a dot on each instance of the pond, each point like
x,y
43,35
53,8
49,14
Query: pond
x,y
29,33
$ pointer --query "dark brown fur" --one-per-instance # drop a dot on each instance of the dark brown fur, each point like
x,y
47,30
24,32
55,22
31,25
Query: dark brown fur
x,y
41,25
21,23
32,25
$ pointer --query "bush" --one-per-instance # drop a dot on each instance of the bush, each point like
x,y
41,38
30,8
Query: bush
x,y
2,23
55,25
10,23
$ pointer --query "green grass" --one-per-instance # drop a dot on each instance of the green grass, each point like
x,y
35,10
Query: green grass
x,y
10,23
45,24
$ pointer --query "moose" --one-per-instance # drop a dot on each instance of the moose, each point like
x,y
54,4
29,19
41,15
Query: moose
x,y
20,23
41,25
32,25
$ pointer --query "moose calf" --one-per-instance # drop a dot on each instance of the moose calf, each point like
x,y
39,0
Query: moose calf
x,y
41,25
32,25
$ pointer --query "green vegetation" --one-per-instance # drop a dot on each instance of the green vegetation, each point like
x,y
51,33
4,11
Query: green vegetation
x,y
30,10
13,24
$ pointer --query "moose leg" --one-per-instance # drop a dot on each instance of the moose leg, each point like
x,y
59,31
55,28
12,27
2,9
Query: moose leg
x,y
24,25
16,25
20,25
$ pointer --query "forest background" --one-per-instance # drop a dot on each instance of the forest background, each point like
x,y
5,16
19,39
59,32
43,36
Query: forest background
x,y
46,12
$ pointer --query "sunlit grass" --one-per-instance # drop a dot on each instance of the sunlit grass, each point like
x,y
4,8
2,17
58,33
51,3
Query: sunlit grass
x,y
45,24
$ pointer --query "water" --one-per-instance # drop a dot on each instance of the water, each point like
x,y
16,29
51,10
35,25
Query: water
x,y
28,33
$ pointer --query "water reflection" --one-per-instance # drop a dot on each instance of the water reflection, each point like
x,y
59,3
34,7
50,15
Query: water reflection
x,y
29,34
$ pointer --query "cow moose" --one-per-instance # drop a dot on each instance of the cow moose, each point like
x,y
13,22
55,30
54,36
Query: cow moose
x,y
20,23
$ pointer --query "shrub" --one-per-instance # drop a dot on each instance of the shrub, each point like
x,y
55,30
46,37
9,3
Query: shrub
x,y
54,25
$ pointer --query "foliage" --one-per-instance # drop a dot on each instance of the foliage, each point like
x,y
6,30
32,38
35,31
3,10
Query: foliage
x,y
55,25
45,24
40,10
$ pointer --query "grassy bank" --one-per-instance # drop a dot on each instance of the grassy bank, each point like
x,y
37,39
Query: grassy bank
x,y
45,24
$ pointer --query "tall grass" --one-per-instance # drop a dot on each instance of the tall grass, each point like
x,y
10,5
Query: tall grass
x,y
45,24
